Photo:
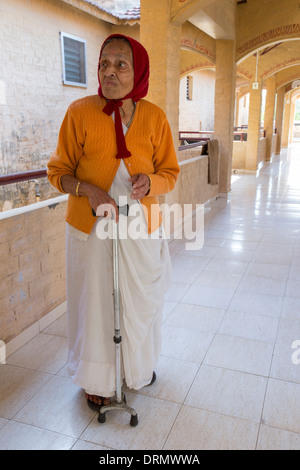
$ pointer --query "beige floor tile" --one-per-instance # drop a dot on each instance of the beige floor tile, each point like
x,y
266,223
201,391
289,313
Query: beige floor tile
x,y
231,253
186,268
241,354
229,392
59,327
288,331
176,291
283,367
290,308
271,271
18,436
266,253
59,406
196,317
208,296
276,439
174,379
281,408
293,288
218,279
262,285
256,327
44,352
3,421
206,251
257,304
184,344
228,266
156,418
17,386
85,445
196,429
168,307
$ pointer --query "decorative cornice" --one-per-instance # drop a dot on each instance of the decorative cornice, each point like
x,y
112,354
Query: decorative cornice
x,y
280,32
198,66
282,65
199,48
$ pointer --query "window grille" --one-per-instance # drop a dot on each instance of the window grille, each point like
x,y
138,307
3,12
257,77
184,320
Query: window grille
x,y
73,60
189,88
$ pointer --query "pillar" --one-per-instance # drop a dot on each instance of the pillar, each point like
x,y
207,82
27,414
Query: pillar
x,y
237,109
162,39
253,127
279,117
269,114
286,122
224,108
292,119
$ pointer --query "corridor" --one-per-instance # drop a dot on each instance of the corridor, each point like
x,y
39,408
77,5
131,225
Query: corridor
x,y
228,376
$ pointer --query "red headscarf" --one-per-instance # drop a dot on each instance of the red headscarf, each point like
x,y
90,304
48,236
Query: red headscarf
x,y
140,89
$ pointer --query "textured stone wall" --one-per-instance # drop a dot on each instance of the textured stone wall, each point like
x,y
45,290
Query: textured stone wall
x,y
32,270
33,99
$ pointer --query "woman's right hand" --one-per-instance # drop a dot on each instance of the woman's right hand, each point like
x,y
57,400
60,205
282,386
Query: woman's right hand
x,y
100,201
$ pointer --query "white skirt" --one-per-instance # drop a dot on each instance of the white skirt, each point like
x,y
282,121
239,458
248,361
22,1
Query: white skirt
x,y
144,275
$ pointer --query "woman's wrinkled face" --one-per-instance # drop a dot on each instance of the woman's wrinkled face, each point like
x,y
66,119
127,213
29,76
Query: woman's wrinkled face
x,y
116,71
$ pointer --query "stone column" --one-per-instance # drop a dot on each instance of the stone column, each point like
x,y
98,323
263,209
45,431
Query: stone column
x,y
237,109
292,119
279,117
162,39
224,108
269,114
253,127
286,122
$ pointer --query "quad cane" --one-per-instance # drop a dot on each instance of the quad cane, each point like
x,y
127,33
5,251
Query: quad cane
x,y
119,401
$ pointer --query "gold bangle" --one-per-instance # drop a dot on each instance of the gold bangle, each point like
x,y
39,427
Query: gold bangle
x,y
77,188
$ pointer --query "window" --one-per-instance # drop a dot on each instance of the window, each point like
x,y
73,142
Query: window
x,y
189,88
73,60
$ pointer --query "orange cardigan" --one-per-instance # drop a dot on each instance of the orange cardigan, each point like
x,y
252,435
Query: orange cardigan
x,y
87,149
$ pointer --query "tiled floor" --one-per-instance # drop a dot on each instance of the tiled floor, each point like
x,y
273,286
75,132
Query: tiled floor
x,y
226,375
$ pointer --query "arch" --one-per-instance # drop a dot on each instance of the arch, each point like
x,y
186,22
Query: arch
x,y
196,68
279,34
296,83
198,47
182,10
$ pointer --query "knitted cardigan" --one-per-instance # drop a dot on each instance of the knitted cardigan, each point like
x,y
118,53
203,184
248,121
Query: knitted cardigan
x,y
87,149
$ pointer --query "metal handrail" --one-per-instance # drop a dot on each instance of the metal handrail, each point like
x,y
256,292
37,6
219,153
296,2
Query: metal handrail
x,y
195,144
22,176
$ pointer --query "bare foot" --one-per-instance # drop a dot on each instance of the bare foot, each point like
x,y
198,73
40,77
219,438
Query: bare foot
x,y
97,400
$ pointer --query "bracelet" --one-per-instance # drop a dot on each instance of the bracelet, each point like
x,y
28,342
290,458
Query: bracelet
x,y
77,188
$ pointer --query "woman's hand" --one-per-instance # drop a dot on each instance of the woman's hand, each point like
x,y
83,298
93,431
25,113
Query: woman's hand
x,y
100,201
140,185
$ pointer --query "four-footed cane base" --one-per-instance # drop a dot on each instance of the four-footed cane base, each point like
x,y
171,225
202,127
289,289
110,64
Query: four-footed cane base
x,y
121,406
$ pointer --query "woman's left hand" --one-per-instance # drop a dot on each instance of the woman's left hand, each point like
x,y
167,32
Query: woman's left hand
x,y
140,185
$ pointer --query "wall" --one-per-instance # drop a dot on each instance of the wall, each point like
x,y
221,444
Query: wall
x,y
240,153
32,273
198,113
193,187
33,98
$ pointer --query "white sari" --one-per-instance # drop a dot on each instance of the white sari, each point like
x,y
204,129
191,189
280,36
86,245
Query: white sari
x,y
144,275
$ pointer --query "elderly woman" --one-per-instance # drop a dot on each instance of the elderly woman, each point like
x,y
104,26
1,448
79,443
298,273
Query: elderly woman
x,y
111,146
